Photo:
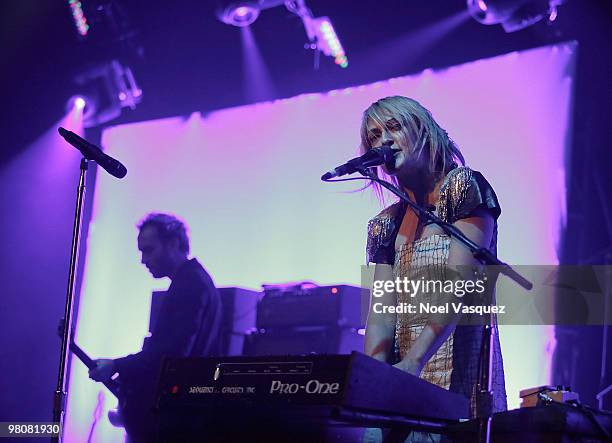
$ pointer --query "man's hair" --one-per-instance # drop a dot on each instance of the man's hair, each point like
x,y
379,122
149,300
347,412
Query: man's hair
x,y
168,227
419,130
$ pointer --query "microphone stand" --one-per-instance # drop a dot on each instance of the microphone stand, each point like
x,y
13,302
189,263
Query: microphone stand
x,y
484,402
59,402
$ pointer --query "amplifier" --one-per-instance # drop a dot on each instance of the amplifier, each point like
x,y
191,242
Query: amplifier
x,y
239,311
321,340
239,314
341,305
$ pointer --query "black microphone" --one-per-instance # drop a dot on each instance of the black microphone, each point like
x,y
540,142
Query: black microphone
x,y
92,152
381,155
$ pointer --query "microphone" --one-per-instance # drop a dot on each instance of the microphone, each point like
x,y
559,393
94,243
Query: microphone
x,y
380,155
92,152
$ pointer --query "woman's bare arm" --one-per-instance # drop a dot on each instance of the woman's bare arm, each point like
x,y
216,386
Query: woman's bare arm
x,y
380,327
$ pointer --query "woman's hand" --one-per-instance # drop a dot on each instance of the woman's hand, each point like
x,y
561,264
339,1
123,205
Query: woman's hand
x,y
410,366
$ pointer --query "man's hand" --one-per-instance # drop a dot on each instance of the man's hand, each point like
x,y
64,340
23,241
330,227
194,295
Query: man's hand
x,y
410,366
103,371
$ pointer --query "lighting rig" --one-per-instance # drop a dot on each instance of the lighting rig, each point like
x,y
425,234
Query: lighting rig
x,y
322,36
513,15
106,85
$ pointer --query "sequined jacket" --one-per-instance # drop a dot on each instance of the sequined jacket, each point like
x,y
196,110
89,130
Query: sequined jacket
x,y
462,192
455,364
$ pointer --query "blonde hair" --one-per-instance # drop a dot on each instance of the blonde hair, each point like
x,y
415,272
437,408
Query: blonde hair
x,y
418,129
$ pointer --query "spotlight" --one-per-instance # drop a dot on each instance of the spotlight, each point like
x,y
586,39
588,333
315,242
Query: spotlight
x,y
321,34
243,13
513,15
78,16
239,14
323,37
83,103
330,43
79,102
103,91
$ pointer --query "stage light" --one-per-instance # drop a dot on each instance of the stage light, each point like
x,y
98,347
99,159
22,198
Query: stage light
x,y
321,34
84,104
329,43
103,91
243,13
78,16
239,14
79,102
323,37
513,15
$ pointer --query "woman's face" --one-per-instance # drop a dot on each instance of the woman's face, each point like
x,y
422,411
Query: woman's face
x,y
392,131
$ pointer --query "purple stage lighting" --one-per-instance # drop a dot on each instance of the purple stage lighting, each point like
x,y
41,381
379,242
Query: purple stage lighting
x,y
239,14
535,115
258,84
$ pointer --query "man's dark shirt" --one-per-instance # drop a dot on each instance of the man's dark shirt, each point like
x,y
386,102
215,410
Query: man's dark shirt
x,y
188,324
